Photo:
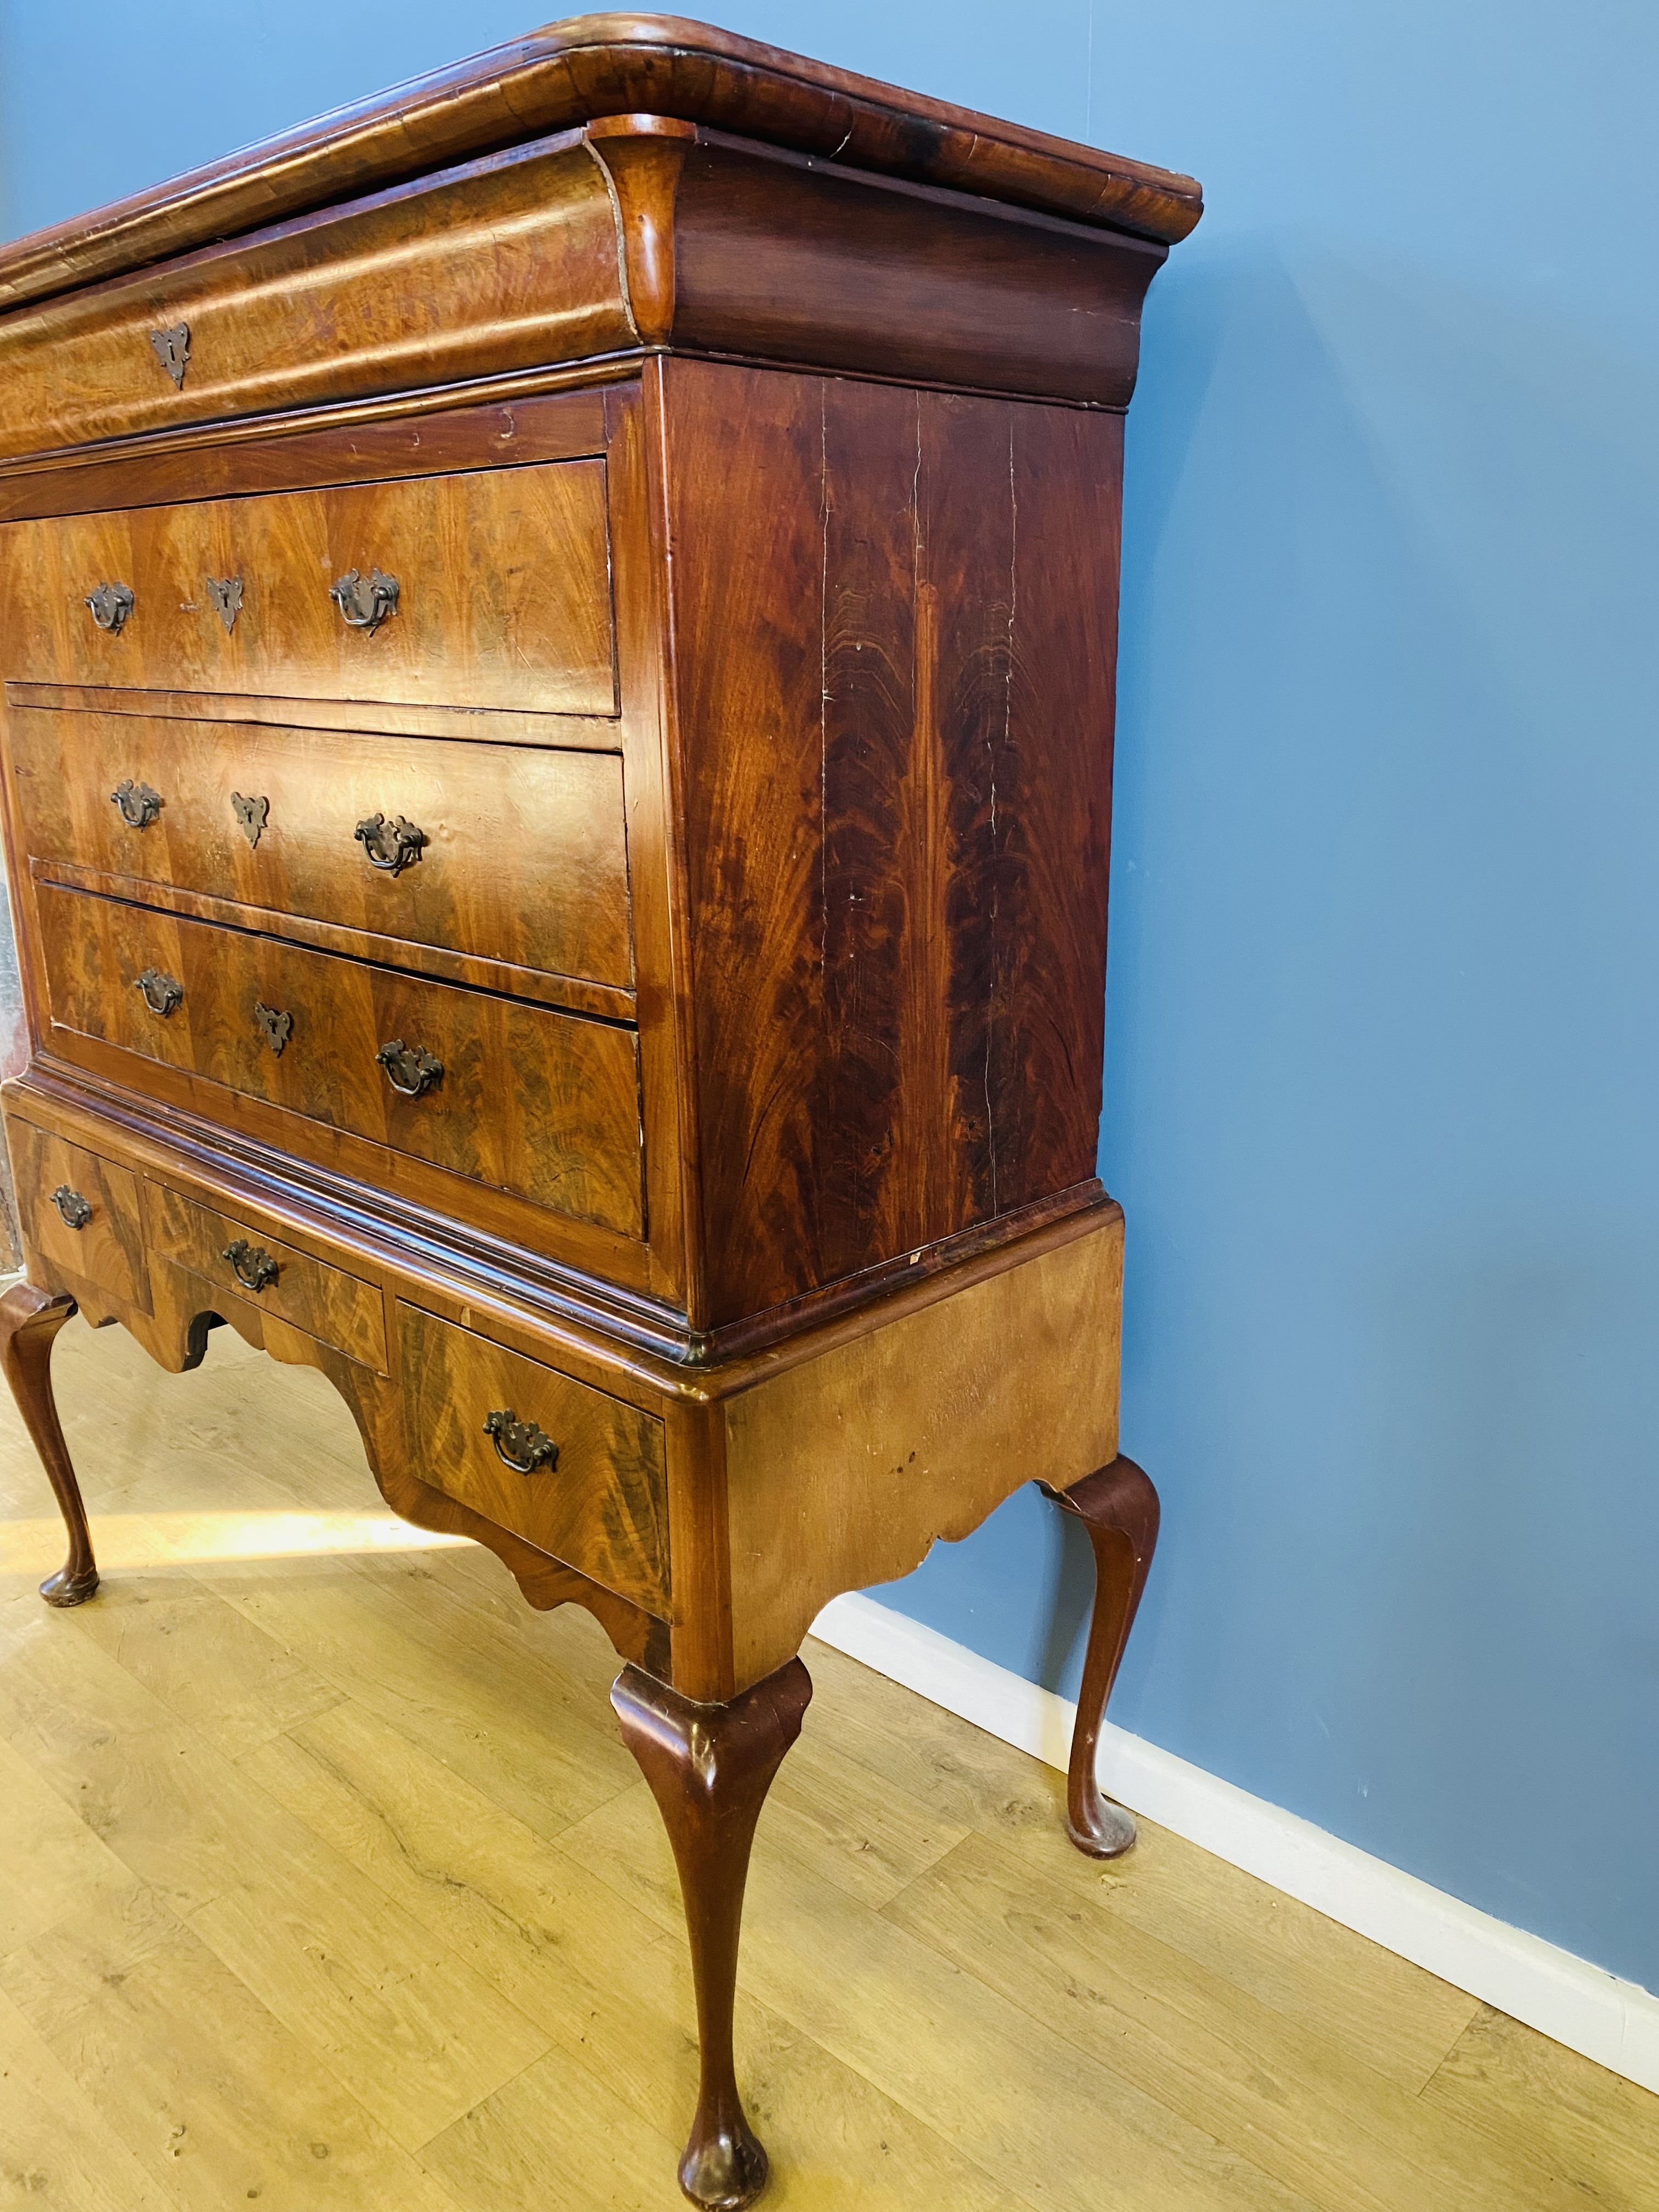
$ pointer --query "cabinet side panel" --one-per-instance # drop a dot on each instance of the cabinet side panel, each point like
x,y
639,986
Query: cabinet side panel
x,y
895,622
1053,802
844,1470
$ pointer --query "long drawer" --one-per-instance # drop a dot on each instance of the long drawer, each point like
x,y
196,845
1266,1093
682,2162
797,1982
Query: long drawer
x,y
540,1103
580,1474
502,593
507,852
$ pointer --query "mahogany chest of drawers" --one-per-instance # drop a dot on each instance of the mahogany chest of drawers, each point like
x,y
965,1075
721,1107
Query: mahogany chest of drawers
x,y
558,632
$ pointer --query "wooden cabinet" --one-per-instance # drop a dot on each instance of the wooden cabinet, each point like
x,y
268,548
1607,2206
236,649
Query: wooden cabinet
x,y
558,641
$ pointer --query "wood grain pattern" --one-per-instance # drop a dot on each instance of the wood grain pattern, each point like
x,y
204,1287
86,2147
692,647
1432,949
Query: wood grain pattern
x,y
109,1250
502,1243
542,1105
596,66
899,758
491,725
603,1509
325,1301
572,994
526,860
653,843
844,1470
709,1768
30,1320
422,433
777,258
1119,1507
508,263
505,596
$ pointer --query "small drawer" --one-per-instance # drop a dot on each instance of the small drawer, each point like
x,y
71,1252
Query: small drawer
x,y
546,1105
514,854
247,1264
580,1475
495,591
80,1213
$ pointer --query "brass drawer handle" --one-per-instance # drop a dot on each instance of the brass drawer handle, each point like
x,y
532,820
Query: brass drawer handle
x,y
393,845
251,816
161,992
172,351
138,803
362,605
76,1210
111,605
251,1265
521,1445
408,1068
226,594
274,1027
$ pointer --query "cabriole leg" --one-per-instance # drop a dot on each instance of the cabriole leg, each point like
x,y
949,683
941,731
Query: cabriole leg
x,y
709,1768
29,1322
1118,1506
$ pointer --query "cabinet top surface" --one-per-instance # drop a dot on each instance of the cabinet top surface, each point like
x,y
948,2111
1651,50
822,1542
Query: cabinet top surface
x,y
572,73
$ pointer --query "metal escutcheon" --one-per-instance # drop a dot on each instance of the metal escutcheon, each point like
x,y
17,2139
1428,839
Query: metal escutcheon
x,y
172,347
226,594
111,605
138,804
251,1265
76,1210
521,1445
362,605
252,816
408,1068
275,1027
161,992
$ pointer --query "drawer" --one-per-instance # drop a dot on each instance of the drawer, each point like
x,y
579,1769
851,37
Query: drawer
x,y
524,859
508,262
326,1302
534,1102
601,1505
503,594
80,1213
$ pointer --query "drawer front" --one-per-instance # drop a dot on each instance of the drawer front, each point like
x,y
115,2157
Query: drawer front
x,y
601,1507
543,1104
509,263
524,857
503,594
252,1267
80,1213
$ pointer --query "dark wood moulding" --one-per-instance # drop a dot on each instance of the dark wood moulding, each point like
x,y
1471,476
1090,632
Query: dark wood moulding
x,y
559,78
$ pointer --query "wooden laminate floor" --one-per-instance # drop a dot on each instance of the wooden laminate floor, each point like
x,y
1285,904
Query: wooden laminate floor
x,y
325,1880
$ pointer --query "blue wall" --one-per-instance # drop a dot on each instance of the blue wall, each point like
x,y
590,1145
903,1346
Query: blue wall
x,y
1383,1060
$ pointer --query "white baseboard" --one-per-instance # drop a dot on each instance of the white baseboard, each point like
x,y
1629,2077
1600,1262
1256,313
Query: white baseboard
x,y
1616,2023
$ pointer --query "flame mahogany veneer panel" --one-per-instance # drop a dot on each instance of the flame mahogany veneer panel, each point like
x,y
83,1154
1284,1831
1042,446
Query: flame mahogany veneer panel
x,y
896,704
524,859
503,598
530,1101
